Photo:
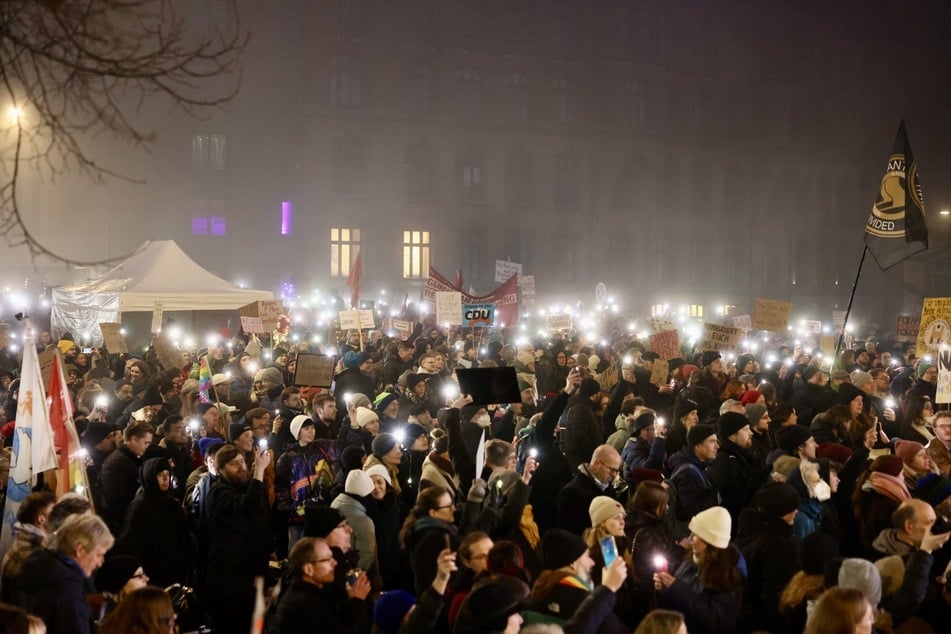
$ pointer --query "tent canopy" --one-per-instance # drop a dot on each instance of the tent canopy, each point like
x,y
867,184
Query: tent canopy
x,y
159,271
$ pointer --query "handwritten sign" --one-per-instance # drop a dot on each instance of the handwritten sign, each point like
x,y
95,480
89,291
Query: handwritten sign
x,y
662,325
838,318
771,314
559,321
314,370
113,339
811,326
934,331
609,378
907,328
659,372
367,319
156,317
478,315
449,308
167,352
827,345
720,338
252,325
403,327
943,394
666,344
743,321
46,363
349,319
505,269
268,311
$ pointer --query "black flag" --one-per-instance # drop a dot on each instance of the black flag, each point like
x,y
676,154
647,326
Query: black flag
x,y
896,227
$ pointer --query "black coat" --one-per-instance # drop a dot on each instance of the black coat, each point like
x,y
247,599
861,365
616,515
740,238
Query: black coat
x,y
737,474
582,432
767,545
810,399
120,481
53,587
695,491
304,608
575,498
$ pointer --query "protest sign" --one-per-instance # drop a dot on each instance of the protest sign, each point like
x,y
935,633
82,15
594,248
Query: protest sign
x,y
609,378
771,314
46,363
252,325
934,331
505,297
167,352
838,318
662,325
478,315
943,393
505,269
113,339
268,311
720,338
743,321
156,317
403,327
907,328
526,284
659,372
367,319
449,308
349,319
827,345
811,326
560,321
666,344
314,370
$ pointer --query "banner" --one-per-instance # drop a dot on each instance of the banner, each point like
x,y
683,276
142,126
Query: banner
x,y
720,338
505,297
71,465
896,227
935,327
505,269
743,321
478,315
355,280
771,314
666,344
907,328
449,308
33,445
560,321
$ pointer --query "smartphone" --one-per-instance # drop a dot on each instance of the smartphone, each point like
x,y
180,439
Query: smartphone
x,y
608,550
660,563
87,350
262,444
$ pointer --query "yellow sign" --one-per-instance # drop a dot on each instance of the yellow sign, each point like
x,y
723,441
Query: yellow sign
x,y
935,328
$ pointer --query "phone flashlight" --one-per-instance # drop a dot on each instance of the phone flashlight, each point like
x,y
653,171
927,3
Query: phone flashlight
x,y
262,444
347,397
660,422
533,452
660,563
193,424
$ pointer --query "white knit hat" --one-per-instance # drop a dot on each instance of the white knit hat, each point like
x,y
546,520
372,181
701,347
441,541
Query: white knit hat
x,y
712,526
299,421
364,417
380,470
603,508
358,483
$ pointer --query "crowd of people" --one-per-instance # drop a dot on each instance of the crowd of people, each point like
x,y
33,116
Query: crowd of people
x,y
734,495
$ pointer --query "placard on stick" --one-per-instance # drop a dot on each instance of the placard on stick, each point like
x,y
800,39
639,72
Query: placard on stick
x,y
349,319
252,325
771,314
720,338
559,321
156,317
659,372
113,339
166,351
267,310
46,363
609,378
314,370
449,308
743,321
907,328
666,344
935,327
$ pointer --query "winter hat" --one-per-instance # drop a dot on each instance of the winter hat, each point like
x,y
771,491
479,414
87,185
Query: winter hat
x,y
907,450
411,432
647,419
834,451
860,379
889,465
809,372
354,359
754,412
358,483
364,417
892,572
236,429
272,375
750,396
742,360
381,471
933,489
777,499
862,575
709,356
116,572
384,444
205,443
492,601
698,433
413,379
848,392
589,387
390,610
687,370
561,548
815,550
218,379
789,438
525,358
603,508
712,526
352,458
730,423
300,421
64,345
784,465
839,375
383,401
643,474
360,400
924,367
684,407
96,432
151,397
320,521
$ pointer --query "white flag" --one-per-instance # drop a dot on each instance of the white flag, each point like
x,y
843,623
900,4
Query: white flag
x,y
480,456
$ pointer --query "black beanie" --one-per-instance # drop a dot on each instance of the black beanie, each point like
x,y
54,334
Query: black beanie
x,y
777,499
589,387
384,444
647,419
699,433
815,550
320,521
96,432
730,423
561,548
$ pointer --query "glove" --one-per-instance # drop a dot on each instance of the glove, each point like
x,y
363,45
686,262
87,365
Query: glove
x,y
477,491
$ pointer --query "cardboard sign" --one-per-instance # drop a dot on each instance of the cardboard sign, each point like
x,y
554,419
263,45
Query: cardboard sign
x,y
743,321
252,325
268,311
838,318
449,308
609,378
478,315
367,319
659,372
720,338
666,344
827,345
907,328
402,327
166,351
771,314
559,321
156,317
46,363
505,269
113,339
943,394
811,326
934,331
314,370
349,319
662,325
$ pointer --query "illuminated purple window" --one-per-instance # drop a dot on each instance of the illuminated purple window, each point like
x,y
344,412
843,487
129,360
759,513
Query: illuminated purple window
x,y
218,225
200,226
287,212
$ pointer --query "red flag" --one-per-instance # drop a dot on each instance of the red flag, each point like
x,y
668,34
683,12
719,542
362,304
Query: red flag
x,y
458,279
355,282
70,467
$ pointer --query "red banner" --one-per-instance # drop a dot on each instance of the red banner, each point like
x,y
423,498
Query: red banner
x,y
505,297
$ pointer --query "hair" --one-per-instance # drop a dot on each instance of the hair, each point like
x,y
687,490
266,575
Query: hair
x,y
942,413
142,366
734,389
593,535
287,392
838,611
86,530
629,406
137,430
171,420
440,440
648,497
426,501
17,621
68,505
318,401
768,390
801,588
418,408
497,452
781,413
718,569
225,454
914,407
506,558
465,548
302,553
660,622
33,505
147,610
905,512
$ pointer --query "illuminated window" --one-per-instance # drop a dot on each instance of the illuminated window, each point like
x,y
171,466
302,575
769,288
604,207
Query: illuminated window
x,y
727,310
415,255
694,310
659,310
344,245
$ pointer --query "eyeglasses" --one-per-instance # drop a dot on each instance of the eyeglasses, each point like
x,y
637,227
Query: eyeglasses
x,y
322,561
451,505
610,468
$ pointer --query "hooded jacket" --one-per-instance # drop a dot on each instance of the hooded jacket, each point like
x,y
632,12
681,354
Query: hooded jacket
x,y
54,587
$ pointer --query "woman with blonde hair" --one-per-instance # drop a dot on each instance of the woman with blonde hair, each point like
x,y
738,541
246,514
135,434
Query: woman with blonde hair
x,y
662,622
842,611
607,520
145,611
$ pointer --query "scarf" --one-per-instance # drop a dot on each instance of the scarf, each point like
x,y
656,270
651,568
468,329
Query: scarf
x,y
890,486
922,428
529,528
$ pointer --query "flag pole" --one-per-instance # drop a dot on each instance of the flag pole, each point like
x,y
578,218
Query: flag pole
x,y
848,309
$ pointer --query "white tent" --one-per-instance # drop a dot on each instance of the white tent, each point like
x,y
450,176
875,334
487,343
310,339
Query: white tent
x,y
159,271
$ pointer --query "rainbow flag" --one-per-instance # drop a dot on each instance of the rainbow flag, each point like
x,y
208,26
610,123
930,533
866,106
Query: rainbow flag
x,y
204,380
